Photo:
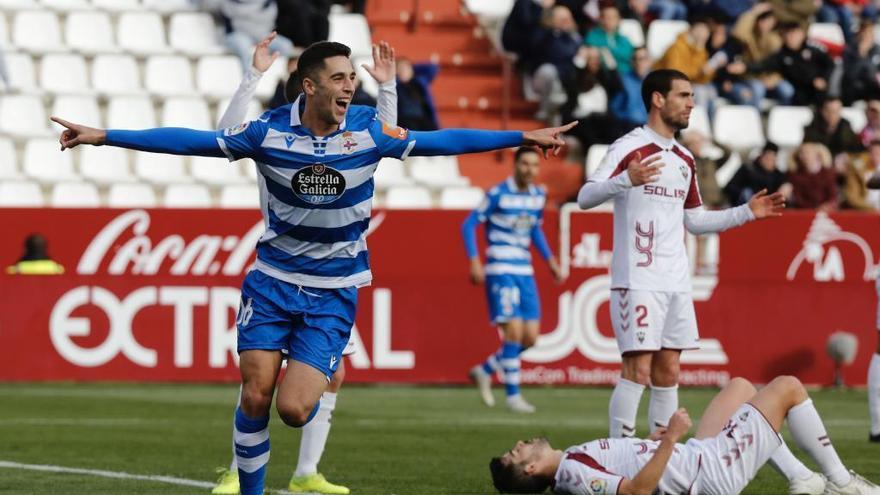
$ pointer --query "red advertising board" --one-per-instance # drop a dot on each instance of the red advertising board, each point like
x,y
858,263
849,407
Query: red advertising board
x,y
151,295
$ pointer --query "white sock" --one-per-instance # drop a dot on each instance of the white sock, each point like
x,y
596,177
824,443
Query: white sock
x,y
314,437
233,466
788,465
874,393
662,404
623,408
810,435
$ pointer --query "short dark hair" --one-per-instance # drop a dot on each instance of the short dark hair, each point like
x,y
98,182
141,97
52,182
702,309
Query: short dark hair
x,y
293,87
522,150
509,477
660,81
312,59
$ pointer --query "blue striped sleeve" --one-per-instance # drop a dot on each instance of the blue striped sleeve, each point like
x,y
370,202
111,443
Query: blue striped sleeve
x,y
540,242
460,141
172,140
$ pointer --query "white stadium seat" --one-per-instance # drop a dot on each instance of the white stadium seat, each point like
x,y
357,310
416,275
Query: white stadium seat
x,y
632,29
8,160
117,5
266,86
491,10
37,32
461,198
20,194
64,74
141,33
168,75
4,30
131,196
218,77
74,195
90,33
368,84
194,33
80,109
23,116
186,196
699,121
352,30
116,75
22,74
593,101
130,112
827,32
67,5
594,157
45,162
253,111
661,34
104,164
159,168
234,196
216,171
169,6
856,117
391,173
19,5
408,197
186,112
785,125
739,127
437,171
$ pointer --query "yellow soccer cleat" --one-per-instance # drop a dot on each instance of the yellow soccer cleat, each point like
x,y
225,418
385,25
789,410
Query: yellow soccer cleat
x,y
227,483
315,483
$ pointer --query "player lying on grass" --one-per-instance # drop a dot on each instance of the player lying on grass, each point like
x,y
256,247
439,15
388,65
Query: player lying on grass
x,y
735,437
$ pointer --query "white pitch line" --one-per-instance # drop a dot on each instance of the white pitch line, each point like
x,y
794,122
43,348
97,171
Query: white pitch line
x,y
107,474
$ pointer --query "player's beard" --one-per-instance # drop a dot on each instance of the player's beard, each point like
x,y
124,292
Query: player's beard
x,y
676,122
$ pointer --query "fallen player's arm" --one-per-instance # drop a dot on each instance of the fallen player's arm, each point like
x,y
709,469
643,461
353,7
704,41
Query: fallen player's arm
x,y
646,481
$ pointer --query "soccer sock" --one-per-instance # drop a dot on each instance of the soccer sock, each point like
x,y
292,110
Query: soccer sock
x,y
251,452
662,404
788,465
510,364
623,408
233,466
492,363
314,437
810,435
874,393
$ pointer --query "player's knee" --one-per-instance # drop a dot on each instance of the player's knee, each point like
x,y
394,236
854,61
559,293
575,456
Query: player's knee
x,y
255,402
294,414
528,341
741,384
792,387
639,373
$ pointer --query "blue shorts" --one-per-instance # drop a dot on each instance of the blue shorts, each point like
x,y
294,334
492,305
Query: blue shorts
x,y
309,325
512,297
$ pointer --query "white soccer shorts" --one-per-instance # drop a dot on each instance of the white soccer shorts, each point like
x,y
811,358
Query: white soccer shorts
x,y
645,320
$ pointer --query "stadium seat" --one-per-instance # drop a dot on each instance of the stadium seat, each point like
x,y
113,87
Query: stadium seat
x,y
44,162
632,29
699,121
116,75
661,34
461,198
490,10
90,33
37,32
104,164
169,6
408,197
186,196
391,173
368,84
594,157
131,196
66,5
437,171
64,74
592,101
23,116
19,5
160,169
130,112
141,33
218,77
20,194
266,86
4,30
352,30
826,32
856,117
8,160
234,196
74,195
194,33
80,109
254,109
186,112
22,75
216,171
168,75
738,126
785,125
117,5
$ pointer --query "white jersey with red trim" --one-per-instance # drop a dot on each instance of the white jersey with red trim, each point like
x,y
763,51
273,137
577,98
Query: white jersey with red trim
x,y
649,251
597,467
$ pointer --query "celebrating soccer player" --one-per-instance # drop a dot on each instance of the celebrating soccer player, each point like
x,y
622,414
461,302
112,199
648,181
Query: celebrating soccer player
x,y
512,212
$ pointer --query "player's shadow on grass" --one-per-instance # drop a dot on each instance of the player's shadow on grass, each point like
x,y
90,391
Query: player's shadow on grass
x,y
791,363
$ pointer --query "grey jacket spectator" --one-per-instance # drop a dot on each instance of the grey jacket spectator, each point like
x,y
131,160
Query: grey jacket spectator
x,y
751,178
860,67
830,129
249,21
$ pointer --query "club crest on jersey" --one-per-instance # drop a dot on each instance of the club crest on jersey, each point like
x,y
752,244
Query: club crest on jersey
x,y
641,336
744,416
523,222
598,485
237,129
684,171
318,184
348,143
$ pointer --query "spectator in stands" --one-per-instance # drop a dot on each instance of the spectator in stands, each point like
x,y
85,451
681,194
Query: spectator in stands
x,y
354,6
813,181
872,171
852,175
794,11
861,77
635,9
839,12
689,55
520,28
871,131
830,129
607,35
249,21
304,21
668,9
607,124
35,260
762,174
706,167
415,103
755,30
555,48
625,97
726,11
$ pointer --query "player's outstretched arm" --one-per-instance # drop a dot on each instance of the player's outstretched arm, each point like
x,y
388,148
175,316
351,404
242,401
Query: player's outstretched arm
x,y
263,58
646,481
172,140
460,141
469,235
762,205
384,71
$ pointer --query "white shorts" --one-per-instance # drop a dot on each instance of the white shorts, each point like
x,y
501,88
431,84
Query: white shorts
x,y
645,320
729,460
349,348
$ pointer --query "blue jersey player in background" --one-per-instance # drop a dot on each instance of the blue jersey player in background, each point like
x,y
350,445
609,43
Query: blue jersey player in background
x,y
513,212
316,158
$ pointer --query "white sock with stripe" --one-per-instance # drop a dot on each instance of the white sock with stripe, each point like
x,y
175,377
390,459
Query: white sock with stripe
x,y
314,437
810,435
251,452
623,408
662,404
788,465
874,393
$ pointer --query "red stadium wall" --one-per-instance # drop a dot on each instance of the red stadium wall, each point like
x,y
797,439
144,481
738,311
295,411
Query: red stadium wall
x,y
151,295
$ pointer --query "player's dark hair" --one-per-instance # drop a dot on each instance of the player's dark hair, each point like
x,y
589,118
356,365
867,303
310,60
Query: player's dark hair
x,y
522,150
293,87
509,477
660,81
311,61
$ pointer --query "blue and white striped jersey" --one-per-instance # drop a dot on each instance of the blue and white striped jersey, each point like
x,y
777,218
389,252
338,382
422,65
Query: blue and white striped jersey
x,y
315,192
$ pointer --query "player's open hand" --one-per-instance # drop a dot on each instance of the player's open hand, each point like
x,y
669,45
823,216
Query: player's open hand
x,y
263,58
644,171
76,134
679,424
549,139
765,205
558,276
477,273
384,67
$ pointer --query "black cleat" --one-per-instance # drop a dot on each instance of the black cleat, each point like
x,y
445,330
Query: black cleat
x,y
874,438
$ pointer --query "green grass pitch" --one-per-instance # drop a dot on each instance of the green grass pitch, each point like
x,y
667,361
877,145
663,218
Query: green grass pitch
x,y
385,439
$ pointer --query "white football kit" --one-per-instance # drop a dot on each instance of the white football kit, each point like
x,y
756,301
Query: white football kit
x,y
720,465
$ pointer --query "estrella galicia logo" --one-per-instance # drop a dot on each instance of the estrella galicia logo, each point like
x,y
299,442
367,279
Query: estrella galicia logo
x,y
318,184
